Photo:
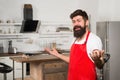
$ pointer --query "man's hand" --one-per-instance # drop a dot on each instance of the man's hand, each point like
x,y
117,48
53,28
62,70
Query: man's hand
x,y
97,56
53,51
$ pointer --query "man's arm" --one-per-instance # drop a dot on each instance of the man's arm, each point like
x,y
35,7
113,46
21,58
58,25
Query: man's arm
x,y
55,53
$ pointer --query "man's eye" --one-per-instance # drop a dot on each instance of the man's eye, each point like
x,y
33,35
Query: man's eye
x,y
73,21
79,20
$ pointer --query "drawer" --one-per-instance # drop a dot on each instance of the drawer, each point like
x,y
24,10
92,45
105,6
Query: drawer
x,y
54,64
54,67
55,76
55,70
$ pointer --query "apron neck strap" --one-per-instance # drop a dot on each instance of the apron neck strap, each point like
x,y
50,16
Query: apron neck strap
x,y
87,37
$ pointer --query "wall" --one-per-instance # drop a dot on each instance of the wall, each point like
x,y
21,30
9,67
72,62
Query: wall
x,y
59,10
108,10
48,10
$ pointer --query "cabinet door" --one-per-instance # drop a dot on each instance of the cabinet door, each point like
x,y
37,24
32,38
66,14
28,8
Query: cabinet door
x,y
55,70
55,76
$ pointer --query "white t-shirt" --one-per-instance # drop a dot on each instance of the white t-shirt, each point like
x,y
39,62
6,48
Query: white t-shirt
x,y
94,42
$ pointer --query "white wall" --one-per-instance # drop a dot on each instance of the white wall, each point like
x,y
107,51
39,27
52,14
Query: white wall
x,y
105,10
59,10
45,10
109,10
48,10
91,7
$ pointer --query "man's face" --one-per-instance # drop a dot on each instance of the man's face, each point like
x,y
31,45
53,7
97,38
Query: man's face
x,y
79,26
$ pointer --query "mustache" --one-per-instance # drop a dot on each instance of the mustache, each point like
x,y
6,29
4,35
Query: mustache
x,y
75,27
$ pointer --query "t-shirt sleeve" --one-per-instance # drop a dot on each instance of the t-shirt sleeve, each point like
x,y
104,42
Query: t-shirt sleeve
x,y
97,44
94,43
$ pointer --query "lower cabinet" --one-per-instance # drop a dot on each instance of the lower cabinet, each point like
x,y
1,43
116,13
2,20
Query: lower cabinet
x,y
56,76
54,70
47,70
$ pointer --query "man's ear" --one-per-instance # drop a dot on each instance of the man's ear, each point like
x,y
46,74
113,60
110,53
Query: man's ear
x,y
87,22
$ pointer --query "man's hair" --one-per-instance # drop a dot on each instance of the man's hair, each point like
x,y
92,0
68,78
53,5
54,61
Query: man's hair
x,y
79,12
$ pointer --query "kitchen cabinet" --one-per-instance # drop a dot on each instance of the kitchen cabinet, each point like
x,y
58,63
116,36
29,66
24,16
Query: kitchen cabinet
x,y
54,70
45,67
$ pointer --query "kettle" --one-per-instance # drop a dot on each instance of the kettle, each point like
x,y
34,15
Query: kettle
x,y
14,50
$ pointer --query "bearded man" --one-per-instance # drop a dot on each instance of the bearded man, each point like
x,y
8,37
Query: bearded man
x,y
86,51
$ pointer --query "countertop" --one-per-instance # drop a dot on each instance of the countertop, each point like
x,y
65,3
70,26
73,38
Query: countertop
x,y
9,54
37,57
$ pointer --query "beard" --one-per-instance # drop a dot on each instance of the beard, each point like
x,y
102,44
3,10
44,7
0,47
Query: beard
x,y
80,32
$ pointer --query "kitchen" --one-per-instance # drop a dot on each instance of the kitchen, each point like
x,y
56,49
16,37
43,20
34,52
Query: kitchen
x,y
51,14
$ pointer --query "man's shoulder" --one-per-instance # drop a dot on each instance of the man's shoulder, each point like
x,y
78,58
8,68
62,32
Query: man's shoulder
x,y
93,36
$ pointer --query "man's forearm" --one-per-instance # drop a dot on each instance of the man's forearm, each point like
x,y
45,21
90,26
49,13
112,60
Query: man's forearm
x,y
63,57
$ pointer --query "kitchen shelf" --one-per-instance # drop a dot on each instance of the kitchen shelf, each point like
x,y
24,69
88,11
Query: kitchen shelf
x,y
10,24
11,36
29,33
16,34
57,33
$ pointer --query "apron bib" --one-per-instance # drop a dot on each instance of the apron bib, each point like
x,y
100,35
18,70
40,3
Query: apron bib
x,y
80,66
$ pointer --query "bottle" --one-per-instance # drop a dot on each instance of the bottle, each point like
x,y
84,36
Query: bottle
x,y
10,46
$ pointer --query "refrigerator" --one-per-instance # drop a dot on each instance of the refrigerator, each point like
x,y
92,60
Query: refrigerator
x,y
109,32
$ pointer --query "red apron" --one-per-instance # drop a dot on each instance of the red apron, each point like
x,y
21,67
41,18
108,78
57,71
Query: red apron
x,y
80,66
